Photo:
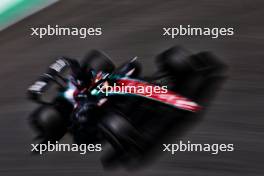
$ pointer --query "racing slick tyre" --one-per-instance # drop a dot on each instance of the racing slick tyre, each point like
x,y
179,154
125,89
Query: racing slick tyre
x,y
207,64
49,124
97,61
174,60
174,67
179,62
188,73
124,138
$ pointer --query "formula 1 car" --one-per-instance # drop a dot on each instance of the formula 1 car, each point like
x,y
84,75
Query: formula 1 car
x,y
86,99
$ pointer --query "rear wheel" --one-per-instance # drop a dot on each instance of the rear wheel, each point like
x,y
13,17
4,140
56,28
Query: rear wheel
x,y
126,141
187,73
179,62
121,134
175,60
119,131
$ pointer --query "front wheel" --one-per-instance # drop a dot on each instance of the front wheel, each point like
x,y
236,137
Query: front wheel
x,y
97,61
49,124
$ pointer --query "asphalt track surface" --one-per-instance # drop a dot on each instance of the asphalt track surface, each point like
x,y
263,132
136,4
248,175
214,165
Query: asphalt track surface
x,y
135,29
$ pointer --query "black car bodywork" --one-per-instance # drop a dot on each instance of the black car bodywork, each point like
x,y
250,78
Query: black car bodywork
x,y
131,124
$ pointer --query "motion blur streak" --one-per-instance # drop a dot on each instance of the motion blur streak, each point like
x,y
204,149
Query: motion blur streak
x,y
135,28
11,11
